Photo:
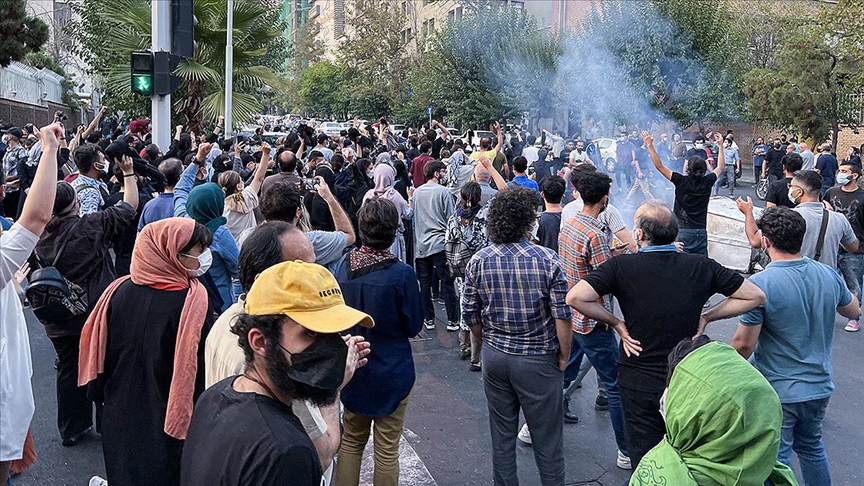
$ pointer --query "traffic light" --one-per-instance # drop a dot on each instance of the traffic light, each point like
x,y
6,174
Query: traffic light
x,y
164,81
142,72
183,22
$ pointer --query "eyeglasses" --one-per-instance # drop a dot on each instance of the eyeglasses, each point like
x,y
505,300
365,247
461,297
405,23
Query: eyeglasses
x,y
790,186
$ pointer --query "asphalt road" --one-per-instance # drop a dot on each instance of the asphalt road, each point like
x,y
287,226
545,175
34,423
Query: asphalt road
x,y
447,440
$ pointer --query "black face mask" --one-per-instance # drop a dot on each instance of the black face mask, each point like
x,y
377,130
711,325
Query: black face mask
x,y
776,146
314,374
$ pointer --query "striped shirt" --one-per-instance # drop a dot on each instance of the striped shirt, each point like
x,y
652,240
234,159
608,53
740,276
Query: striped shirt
x,y
516,291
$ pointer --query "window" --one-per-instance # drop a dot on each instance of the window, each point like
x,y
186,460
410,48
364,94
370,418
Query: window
x,y
338,18
404,8
406,36
455,14
428,27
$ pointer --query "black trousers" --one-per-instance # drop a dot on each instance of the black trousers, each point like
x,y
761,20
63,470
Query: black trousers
x,y
643,425
74,409
437,261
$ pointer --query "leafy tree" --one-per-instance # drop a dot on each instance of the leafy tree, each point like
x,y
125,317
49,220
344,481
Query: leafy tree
x,y
320,90
19,33
257,47
373,58
806,99
487,67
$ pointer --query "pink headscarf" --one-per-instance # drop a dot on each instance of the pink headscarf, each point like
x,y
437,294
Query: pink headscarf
x,y
384,177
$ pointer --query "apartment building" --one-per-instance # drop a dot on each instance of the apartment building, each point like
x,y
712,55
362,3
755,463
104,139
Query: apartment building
x,y
334,19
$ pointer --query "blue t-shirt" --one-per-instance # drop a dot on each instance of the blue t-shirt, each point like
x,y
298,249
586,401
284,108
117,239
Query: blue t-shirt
x,y
5,223
162,207
794,349
524,181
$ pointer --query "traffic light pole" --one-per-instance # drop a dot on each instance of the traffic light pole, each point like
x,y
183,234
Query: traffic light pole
x,y
160,17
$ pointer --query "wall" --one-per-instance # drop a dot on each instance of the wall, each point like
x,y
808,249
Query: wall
x,y
30,95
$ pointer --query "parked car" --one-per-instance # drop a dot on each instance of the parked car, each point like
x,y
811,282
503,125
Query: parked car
x,y
478,134
330,128
602,152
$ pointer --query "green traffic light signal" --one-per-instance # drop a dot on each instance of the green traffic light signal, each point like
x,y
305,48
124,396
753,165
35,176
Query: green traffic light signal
x,y
142,84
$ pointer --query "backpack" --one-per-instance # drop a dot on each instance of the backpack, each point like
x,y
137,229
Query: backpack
x,y
458,254
52,297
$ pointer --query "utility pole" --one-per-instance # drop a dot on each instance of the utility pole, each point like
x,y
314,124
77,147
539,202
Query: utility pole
x,y
160,19
229,69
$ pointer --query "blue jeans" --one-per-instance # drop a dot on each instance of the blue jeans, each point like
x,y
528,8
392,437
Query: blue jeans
x,y
695,240
852,268
802,432
726,177
601,349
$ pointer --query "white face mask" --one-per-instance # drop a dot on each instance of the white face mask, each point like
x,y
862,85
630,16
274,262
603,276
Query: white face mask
x,y
790,195
205,259
663,403
843,179
698,146
103,168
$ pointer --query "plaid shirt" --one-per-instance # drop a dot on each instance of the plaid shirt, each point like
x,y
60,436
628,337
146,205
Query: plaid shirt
x,y
583,247
516,291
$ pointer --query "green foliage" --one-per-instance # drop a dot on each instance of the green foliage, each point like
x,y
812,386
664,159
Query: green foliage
x,y
488,67
818,67
43,60
20,34
320,90
258,47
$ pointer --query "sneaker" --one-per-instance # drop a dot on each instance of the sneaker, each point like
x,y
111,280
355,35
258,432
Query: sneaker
x,y
452,326
524,435
601,404
852,326
569,417
97,481
623,461
429,324
464,354
474,367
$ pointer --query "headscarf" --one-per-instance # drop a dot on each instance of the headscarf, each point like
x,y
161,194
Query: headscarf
x,y
384,158
384,176
206,204
723,423
155,263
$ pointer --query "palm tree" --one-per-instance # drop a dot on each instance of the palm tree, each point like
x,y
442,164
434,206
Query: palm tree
x,y
112,30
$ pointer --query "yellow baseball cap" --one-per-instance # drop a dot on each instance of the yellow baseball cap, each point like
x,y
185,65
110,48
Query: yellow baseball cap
x,y
308,294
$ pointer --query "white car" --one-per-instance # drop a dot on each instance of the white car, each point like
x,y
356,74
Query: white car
x,y
478,134
330,128
606,147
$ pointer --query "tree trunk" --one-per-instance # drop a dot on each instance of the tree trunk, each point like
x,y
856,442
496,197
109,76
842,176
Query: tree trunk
x,y
835,123
192,106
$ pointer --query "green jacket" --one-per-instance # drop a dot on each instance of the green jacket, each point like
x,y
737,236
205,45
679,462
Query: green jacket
x,y
723,423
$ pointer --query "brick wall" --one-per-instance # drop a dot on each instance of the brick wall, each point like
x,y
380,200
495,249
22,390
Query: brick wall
x,y
20,114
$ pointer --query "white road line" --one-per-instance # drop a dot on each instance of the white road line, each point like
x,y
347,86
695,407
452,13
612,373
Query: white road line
x,y
412,471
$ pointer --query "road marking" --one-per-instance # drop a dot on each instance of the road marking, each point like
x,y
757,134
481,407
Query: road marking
x,y
412,471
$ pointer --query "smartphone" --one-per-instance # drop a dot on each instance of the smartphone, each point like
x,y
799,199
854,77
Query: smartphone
x,y
310,183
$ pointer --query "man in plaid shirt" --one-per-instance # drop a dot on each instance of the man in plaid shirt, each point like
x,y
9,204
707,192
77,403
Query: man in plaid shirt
x,y
513,298
583,247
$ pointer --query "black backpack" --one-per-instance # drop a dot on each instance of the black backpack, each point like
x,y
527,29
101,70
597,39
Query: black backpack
x,y
52,297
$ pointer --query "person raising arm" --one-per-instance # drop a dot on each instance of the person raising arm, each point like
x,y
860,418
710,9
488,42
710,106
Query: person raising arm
x,y
341,221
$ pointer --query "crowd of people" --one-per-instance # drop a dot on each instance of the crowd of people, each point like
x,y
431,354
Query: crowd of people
x,y
241,313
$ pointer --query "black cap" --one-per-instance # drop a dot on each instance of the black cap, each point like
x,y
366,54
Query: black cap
x,y
15,132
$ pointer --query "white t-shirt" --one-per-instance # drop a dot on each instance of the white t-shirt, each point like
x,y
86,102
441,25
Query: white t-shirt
x,y
610,218
16,366
531,154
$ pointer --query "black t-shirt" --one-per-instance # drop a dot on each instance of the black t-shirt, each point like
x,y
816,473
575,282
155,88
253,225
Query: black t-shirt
x,y
691,199
661,297
774,161
851,205
246,439
547,230
778,193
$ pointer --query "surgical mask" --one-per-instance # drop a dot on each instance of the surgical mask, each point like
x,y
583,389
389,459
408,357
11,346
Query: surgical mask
x,y
663,403
103,168
698,146
843,179
205,259
321,364
790,195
